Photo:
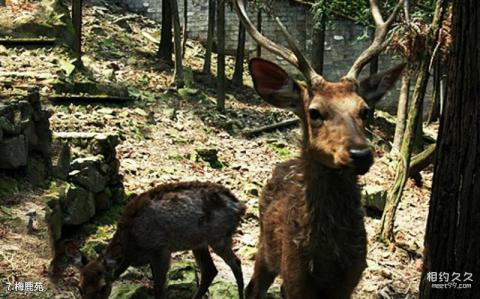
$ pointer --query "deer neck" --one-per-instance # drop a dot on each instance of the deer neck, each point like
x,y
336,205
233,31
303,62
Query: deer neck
x,y
333,200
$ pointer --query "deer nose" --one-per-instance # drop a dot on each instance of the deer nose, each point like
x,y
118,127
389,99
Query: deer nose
x,y
362,159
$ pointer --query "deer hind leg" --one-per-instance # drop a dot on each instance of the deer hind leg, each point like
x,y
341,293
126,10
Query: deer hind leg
x,y
160,265
262,277
207,270
224,250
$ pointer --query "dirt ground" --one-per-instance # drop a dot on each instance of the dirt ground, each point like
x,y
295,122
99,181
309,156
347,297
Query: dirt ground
x,y
160,135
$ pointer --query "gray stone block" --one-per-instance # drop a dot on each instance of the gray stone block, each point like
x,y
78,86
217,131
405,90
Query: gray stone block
x,y
13,152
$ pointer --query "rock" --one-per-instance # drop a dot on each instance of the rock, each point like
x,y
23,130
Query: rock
x,y
7,186
374,197
61,158
89,178
91,161
13,152
30,135
7,126
54,219
248,252
78,205
129,291
209,155
182,281
223,289
252,189
102,201
37,171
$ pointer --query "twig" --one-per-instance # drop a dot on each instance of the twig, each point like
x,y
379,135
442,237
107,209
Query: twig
x,y
268,128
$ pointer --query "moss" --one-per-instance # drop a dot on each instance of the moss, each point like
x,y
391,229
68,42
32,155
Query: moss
x,y
129,291
7,186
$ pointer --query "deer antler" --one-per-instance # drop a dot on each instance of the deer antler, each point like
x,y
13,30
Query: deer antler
x,y
293,56
380,40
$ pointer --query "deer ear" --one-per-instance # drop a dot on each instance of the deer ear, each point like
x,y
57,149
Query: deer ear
x,y
74,254
373,88
275,86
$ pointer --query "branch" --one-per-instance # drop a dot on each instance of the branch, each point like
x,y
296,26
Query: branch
x,y
269,128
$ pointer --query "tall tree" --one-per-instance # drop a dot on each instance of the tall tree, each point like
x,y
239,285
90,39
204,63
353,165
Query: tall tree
x,y
178,75
165,49
185,27
77,26
452,243
401,113
318,44
240,55
207,65
395,192
221,56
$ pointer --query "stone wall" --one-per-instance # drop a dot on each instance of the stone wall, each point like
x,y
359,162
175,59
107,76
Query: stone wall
x,y
344,40
25,141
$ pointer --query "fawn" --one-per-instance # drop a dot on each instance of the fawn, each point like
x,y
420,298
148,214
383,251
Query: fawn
x,y
311,221
168,218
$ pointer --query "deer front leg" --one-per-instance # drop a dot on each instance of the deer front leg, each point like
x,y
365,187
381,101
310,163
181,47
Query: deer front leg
x,y
295,275
160,265
262,277
208,271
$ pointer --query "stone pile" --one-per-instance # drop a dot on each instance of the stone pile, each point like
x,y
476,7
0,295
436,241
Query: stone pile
x,y
87,167
25,141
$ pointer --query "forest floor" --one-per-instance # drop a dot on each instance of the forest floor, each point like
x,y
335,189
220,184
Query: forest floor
x,y
161,135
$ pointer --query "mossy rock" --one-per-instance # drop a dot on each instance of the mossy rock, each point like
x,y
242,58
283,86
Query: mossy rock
x,y
7,186
129,291
182,281
222,289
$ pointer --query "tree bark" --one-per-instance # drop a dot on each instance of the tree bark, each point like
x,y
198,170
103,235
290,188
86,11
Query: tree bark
x,y
435,109
178,73
240,55
318,45
394,193
221,56
259,28
452,241
165,49
401,113
185,27
207,66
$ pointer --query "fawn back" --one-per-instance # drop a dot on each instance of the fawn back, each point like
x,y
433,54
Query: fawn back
x,y
165,219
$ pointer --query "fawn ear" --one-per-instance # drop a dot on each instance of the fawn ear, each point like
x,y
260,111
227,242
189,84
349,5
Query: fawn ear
x,y
74,254
275,86
373,88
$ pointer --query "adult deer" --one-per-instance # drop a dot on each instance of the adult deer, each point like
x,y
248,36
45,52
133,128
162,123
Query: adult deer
x,y
311,221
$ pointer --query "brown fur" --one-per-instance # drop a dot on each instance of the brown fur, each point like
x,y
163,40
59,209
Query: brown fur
x,y
165,219
311,222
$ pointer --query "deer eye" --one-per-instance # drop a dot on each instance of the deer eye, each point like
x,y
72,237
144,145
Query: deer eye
x,y
315,114
364,113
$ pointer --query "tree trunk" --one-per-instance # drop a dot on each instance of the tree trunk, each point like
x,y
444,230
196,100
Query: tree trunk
x,y
259,28
401,113
178,74
240,55
207,66
373,71
452,241
185,27
435,109
394,193
165,49
77,26
318,45
221,56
